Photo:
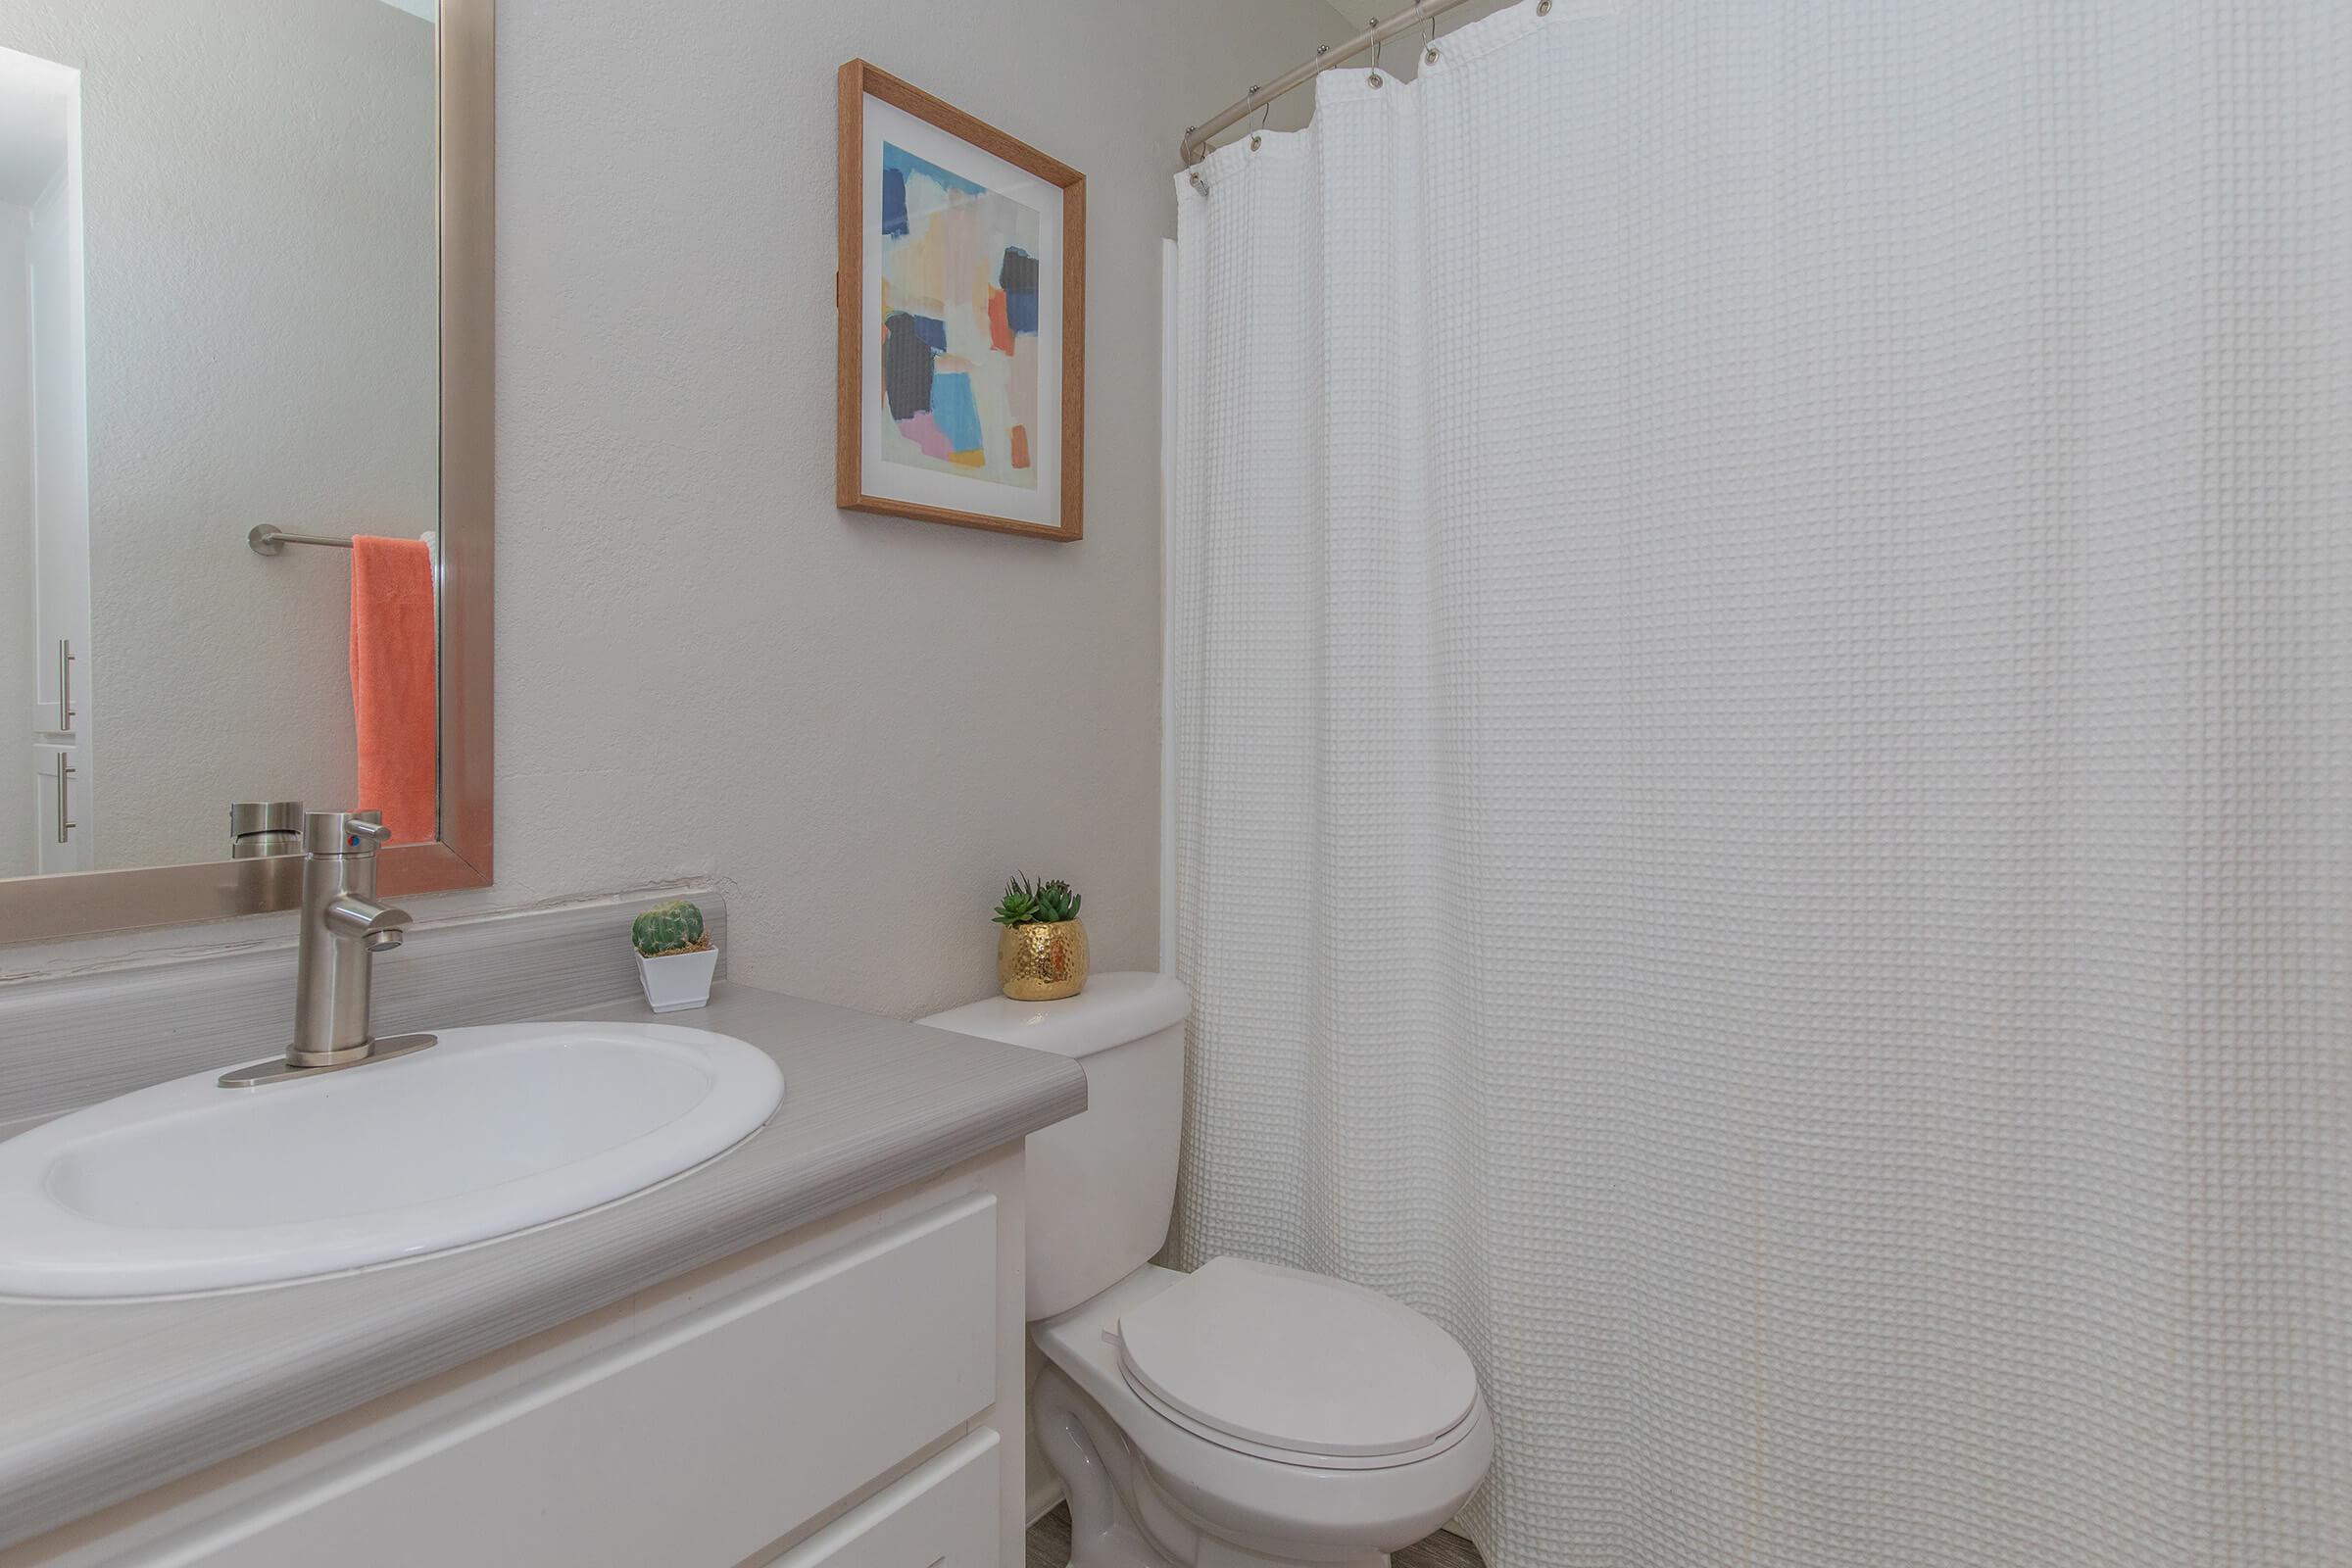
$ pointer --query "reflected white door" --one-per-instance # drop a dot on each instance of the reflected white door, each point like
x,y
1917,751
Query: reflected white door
x,y
62,838
46,511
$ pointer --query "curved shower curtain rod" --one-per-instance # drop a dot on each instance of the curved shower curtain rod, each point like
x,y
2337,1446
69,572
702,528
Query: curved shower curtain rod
x,y
1196,137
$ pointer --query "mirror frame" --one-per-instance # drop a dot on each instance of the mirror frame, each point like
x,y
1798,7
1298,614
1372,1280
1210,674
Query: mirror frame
x,y
36,908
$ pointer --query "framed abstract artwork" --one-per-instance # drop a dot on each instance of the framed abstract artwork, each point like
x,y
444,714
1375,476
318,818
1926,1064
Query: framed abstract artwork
x,y
963,303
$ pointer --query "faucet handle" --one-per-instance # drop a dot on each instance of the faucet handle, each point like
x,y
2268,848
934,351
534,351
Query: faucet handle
x,y
343,832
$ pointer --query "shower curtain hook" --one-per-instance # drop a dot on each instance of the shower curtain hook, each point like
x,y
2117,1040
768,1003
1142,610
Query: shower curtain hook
x,y
1377,49
1429,56
1265,112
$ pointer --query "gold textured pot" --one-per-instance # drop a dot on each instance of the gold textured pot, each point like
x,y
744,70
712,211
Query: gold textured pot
x,y
1044,961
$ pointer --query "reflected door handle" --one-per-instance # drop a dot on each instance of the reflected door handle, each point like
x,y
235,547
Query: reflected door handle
x,y
64,798
64,686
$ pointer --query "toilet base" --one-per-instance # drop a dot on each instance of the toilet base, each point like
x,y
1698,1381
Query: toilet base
x,y
1146,1492
1122,1516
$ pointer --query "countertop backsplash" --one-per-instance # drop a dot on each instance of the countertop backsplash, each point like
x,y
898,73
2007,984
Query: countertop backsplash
x,y
70,1040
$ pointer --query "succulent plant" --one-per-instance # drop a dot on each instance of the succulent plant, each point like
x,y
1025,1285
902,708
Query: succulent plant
x,y
673,927
1018,906
1042,903
1055,900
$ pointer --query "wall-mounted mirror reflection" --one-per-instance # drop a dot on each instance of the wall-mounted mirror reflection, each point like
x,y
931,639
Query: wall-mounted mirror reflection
x,y
219,323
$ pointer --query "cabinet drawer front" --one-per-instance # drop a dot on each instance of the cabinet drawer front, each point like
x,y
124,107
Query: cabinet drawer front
x,y
943,1515
699,1444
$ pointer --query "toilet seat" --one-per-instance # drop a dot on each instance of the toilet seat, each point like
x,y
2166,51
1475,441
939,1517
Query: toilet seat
x,y
1297,1367
1319,1461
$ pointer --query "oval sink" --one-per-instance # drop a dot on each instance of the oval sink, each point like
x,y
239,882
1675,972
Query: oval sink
x,y
188,1186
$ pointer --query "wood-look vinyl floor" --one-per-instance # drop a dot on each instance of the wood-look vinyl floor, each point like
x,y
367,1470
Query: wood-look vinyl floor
x,y
1049,1546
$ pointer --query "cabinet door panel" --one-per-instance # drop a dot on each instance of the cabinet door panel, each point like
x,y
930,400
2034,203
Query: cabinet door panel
x,y
697,1445
943,1515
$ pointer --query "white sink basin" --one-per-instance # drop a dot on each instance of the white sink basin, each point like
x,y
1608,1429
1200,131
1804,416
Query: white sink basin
x,y
191,1187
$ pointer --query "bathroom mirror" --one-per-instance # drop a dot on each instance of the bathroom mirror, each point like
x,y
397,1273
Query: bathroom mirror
x,y
245,448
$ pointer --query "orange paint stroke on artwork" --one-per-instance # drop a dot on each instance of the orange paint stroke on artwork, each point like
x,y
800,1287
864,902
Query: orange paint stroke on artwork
x,y
1020,444
1000,324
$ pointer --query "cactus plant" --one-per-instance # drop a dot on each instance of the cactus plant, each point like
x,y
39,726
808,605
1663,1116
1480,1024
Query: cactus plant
x,y
1041,904
673,927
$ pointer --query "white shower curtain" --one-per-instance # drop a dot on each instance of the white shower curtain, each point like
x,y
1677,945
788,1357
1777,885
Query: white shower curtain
x,y
1762,641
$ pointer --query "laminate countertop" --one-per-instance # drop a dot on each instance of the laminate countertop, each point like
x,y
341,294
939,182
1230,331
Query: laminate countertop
x,y
100,1401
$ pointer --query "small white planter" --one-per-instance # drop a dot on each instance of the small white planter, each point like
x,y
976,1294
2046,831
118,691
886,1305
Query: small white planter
x,y
677,981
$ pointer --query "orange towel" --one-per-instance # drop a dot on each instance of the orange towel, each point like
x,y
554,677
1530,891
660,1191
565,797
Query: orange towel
x,y
393,641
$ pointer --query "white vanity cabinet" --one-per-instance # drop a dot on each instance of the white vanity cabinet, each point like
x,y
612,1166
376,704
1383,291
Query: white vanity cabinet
x,y
848,1396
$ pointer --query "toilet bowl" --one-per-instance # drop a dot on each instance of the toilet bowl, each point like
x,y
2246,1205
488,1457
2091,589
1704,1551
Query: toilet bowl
x,y
1244,1415
1152,1481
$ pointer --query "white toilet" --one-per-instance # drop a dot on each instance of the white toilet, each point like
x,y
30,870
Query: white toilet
x,y
1238,1416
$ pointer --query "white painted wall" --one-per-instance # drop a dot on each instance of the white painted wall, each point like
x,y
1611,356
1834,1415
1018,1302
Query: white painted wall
x,y
704,669
1400,57
258,184
19,800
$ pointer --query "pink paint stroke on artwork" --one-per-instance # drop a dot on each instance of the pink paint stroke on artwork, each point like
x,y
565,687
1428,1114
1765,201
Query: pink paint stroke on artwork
x,y
924,432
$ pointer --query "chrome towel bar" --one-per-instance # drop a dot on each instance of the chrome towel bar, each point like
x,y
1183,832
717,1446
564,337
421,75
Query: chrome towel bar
x,y
267,541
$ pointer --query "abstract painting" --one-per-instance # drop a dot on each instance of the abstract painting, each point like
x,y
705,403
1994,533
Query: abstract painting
x,y
958,323
962,293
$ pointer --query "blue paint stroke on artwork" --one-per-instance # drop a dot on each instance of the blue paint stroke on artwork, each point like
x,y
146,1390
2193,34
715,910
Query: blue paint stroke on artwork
x,y
894,202
958,414
905,164
909,343
1016,275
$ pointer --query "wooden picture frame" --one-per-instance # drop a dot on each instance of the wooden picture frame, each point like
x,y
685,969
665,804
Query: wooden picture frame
x,y
914,438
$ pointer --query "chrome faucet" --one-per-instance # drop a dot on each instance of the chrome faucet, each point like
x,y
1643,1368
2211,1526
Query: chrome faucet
x,y
343,928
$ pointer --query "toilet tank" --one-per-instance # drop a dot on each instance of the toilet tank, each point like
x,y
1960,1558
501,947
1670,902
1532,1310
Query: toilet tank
x,y
1102,1184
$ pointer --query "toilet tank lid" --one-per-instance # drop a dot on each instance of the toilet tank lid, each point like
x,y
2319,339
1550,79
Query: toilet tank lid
x,y
1111,1011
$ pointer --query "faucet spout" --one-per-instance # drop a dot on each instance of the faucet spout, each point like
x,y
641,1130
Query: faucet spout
x,y
372,925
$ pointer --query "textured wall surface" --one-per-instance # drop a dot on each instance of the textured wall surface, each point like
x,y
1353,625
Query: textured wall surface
x,y
258,199
1400,55
704,669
